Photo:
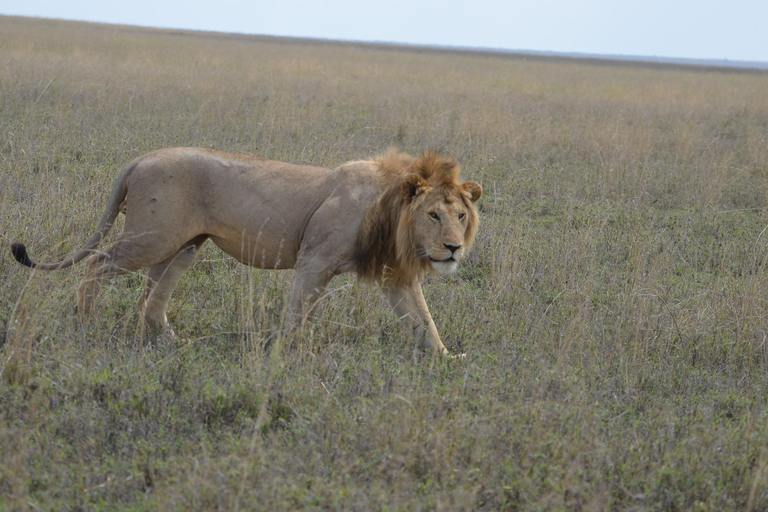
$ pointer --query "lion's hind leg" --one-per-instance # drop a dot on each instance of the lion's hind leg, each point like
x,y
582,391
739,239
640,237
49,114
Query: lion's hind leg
x,y
163,279
99,268
131,253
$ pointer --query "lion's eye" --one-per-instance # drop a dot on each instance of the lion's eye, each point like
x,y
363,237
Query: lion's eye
x,y
462,215
434,216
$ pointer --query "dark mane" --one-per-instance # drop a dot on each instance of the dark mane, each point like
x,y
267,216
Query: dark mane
x,y
376,250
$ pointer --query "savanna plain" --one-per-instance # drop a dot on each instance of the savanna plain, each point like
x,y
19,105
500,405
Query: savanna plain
x,y
613,310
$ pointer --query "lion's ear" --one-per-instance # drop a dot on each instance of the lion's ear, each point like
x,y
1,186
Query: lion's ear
x,y
413,185
473,189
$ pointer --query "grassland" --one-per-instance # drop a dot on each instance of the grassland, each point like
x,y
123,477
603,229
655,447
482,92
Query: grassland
x,y
613,311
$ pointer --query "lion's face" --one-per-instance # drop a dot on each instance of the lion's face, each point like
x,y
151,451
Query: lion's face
x,y
443,221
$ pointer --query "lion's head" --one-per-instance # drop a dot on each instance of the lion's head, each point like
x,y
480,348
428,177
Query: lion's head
x,y
425,219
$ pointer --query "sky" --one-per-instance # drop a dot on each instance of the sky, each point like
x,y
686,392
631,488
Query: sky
x,y
735,30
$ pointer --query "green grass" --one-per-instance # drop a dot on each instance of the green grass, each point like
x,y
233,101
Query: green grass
x,y
613,310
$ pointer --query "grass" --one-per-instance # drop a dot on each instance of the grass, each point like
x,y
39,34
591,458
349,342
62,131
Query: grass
x,y
613,311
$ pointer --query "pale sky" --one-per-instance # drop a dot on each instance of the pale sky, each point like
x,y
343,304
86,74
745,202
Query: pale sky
x,y
699,29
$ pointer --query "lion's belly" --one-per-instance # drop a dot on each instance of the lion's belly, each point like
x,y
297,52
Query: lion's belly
x,y
259,251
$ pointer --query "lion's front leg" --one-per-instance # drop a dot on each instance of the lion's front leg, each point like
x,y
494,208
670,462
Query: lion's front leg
x,y
409,305
308,288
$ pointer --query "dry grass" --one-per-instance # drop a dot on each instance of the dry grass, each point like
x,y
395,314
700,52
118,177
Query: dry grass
x,y
613,311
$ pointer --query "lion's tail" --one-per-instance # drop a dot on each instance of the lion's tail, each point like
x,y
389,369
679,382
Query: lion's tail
x,y
119,191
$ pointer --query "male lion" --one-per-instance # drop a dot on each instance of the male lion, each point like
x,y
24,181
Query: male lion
x,y
391,220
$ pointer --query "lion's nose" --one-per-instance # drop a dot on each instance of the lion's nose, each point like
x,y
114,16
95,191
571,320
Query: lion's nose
x,y
452,248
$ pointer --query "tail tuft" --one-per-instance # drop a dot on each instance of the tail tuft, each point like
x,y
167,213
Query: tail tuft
x,y
20,253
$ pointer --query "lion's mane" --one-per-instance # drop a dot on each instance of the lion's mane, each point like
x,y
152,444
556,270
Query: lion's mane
x,y
386,250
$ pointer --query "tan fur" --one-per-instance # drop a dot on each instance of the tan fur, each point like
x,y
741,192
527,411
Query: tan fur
x,y
391,220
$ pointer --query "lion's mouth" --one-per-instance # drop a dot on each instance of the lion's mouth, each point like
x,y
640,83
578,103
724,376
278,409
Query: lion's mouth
x,y
446,266
449,259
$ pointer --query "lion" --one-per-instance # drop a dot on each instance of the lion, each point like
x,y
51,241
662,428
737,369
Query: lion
x,y
391,219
